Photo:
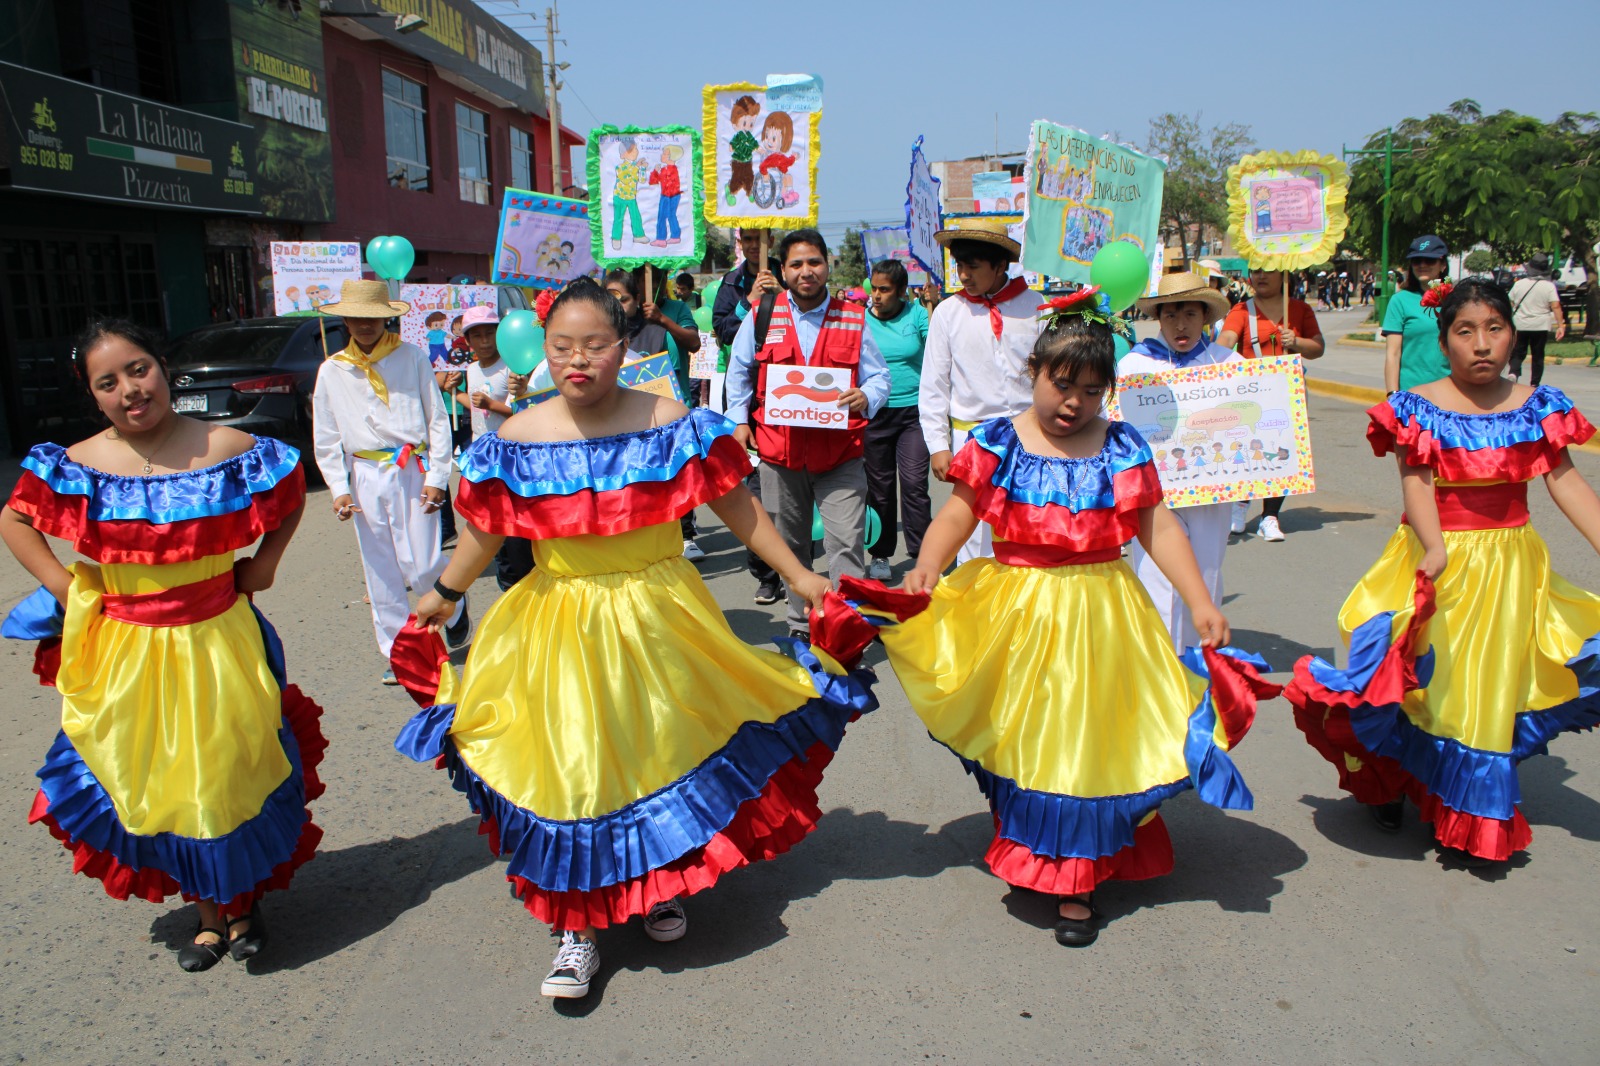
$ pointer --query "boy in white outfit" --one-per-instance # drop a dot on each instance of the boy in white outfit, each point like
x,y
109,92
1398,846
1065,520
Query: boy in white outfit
x,y
1185,306
975,364
382,442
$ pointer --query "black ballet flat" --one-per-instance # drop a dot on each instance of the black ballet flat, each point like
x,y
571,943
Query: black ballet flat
x,y
197,957
248,945
1388,816
1077,932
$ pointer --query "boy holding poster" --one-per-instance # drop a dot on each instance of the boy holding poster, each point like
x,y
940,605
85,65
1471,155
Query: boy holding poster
x,y
1184,305
975,366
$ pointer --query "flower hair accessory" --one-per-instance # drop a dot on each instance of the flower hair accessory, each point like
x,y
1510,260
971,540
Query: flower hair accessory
x,y
1087,304
541,304
1438,294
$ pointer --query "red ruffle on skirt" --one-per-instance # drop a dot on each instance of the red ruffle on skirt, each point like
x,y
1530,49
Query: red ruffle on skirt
x,y
1150,855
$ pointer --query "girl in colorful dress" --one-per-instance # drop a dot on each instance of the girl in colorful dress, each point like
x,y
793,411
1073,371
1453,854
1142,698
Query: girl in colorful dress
x,y
1467,654
185,760
621,745
1046,669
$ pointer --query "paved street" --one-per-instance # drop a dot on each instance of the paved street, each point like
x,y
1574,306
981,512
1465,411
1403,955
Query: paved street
x,y
1294,933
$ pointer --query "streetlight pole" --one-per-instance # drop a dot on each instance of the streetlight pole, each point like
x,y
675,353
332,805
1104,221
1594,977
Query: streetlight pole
x,y
553,69
1385,285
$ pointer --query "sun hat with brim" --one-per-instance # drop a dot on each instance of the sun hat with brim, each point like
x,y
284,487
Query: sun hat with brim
x,y
1185,288
365,299
987,230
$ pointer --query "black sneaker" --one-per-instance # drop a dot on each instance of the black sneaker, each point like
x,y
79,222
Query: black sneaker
x,y
802,635
1388,816
459,632
767,592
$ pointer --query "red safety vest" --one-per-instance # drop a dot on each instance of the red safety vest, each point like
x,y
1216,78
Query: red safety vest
x,y
838,345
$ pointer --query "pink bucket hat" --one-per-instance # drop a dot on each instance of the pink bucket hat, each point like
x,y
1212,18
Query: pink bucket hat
x,y
482,315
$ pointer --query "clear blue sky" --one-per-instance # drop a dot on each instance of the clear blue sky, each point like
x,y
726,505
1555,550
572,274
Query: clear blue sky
x,y
1301,75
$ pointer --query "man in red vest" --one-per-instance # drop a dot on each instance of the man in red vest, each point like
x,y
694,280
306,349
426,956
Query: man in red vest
x,y
804,377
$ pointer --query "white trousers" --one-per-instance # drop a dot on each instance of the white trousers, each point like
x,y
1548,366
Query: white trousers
x,y
1207,529
981,544
399,542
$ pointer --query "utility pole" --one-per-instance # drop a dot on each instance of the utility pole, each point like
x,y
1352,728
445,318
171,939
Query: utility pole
x,y
553,70
1385,286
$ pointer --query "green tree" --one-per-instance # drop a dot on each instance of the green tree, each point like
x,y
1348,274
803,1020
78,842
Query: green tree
x,y
1511,181
1479,261
852,268
1194,197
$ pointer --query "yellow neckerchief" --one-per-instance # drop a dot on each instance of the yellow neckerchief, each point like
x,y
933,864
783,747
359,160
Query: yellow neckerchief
x,y
362,361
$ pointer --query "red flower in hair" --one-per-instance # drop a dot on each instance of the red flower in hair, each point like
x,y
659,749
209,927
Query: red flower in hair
x,y
1438,294
1088,296
541,305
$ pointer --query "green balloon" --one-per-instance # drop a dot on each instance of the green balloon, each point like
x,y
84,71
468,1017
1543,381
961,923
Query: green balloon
x,y
520,341
702,317
1122,272
375,257
398,258
708,295
873,532
1121,344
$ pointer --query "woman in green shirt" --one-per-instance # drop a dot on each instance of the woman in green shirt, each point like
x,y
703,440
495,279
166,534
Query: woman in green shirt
x,y
1410,331
894,444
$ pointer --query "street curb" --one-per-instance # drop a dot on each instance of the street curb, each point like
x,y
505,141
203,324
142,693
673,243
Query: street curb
x,y
1351,342
1368,396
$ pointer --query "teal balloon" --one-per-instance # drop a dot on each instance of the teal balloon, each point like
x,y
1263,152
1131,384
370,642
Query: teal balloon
x,y
708,295
375,257
1121,344
398,258
520,341
1122,272
702,318
874,526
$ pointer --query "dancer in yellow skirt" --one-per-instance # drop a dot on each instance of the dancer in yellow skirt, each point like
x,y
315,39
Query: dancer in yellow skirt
x,y
621,745
1047,669
1467,654
185,760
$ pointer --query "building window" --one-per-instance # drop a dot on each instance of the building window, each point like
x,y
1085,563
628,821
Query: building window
x,y
405,131
472,153
521,159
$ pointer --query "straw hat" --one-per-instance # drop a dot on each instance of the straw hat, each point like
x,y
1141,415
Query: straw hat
x,y
365,299
1185,288
988,230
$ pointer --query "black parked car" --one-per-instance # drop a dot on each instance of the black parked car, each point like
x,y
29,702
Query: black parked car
x,y
255,375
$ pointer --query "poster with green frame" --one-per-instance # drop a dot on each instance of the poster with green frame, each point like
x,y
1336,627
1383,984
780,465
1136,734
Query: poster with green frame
x,y
646,191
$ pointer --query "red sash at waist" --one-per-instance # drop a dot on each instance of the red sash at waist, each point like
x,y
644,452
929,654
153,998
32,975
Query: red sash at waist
x,y
1043,556
181,606
1502,506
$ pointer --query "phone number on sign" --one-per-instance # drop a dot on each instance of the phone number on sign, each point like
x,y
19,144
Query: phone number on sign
x,y
48,158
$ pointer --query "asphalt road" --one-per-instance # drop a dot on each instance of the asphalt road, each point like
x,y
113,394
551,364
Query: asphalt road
x,y
1294,933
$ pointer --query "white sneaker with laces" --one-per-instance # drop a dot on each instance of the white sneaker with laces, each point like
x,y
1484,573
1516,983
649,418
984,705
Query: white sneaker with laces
x,y
879,570
666,921
1268,530
1241,515
693,552
577,961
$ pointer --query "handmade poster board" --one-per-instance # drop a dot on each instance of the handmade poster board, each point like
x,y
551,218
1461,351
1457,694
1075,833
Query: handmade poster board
x,y
1083,192
307,274
544,241
1286,210
1229,431
703,363
889,242
924,216
647,192
760,160
1014,227
647,373
434,321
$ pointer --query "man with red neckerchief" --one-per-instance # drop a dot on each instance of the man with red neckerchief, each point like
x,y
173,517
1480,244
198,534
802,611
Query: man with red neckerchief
x,y
976,364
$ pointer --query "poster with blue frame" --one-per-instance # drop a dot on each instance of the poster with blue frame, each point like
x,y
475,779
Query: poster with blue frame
x,y
543,241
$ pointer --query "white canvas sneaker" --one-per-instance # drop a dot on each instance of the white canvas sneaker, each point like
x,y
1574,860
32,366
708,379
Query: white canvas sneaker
x,y
1240,515
1268,530
576,963
666,921
693,552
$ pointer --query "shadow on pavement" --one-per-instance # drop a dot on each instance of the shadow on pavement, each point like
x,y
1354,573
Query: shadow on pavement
x,y
1280,652
1344,821
1239,865
1548,799
342,897
1306,519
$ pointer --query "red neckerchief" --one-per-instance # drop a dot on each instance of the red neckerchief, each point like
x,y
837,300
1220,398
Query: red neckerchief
x,y
1014,287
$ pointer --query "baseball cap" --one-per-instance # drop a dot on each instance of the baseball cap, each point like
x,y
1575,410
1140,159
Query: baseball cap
x,y
1429,247
481,315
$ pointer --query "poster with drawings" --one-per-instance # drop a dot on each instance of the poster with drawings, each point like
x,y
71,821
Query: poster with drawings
x,y
646,188
434,321
544,241
1229,431
760,159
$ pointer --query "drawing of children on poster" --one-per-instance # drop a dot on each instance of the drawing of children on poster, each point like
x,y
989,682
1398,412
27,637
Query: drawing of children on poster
x,y
760,159
544,241
1085,231
646,191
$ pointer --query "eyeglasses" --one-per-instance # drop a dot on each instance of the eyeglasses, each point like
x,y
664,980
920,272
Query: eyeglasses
x,y
559,356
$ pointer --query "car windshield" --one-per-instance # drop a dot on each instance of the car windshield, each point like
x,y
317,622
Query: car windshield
x,y
238,345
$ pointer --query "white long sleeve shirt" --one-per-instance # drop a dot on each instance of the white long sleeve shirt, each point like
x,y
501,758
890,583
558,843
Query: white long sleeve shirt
x,y
348,417
967,372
